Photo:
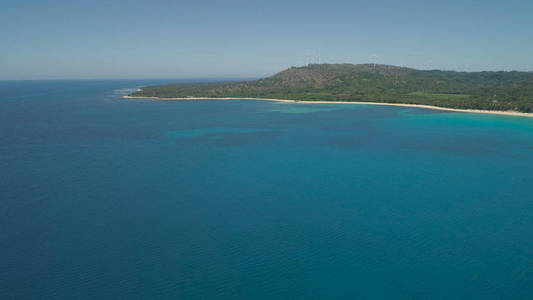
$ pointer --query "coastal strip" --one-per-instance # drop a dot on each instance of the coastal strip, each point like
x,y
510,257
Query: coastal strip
x,y
476,111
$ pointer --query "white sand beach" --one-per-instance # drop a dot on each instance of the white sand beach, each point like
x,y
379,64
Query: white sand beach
x,y
492,112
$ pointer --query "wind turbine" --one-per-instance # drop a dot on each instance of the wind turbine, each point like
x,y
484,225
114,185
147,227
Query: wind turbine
x,y
429,64
374,59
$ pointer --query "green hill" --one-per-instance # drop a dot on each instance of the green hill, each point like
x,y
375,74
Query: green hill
x,y
506,91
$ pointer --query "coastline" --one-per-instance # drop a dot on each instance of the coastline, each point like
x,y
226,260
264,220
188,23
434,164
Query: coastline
x,y
476,111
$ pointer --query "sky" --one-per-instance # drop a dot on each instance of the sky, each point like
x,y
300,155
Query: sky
x,y
244,39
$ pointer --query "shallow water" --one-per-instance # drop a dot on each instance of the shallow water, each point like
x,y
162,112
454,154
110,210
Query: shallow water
x,y
104,197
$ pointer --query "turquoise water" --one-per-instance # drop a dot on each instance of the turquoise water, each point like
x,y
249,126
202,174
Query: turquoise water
x,y
103,197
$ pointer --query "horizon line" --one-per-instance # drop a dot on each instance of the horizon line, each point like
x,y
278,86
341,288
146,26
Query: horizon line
x,y
250,77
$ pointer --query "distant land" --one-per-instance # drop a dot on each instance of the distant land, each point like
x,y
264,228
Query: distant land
x,y
370,83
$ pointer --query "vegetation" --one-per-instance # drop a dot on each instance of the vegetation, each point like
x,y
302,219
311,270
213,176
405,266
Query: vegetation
x,y
506,91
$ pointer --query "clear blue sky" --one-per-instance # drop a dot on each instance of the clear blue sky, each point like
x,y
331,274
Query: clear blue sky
x,y
193,39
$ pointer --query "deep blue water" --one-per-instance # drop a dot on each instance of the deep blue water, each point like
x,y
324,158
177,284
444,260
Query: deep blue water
x,y
104,197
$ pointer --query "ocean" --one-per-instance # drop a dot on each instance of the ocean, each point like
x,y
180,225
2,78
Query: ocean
x,y
109,198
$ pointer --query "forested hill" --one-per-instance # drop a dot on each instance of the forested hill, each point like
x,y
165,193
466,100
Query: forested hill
x,y
506,91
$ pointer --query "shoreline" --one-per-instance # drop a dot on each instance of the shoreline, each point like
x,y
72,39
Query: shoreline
x,y
476,111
